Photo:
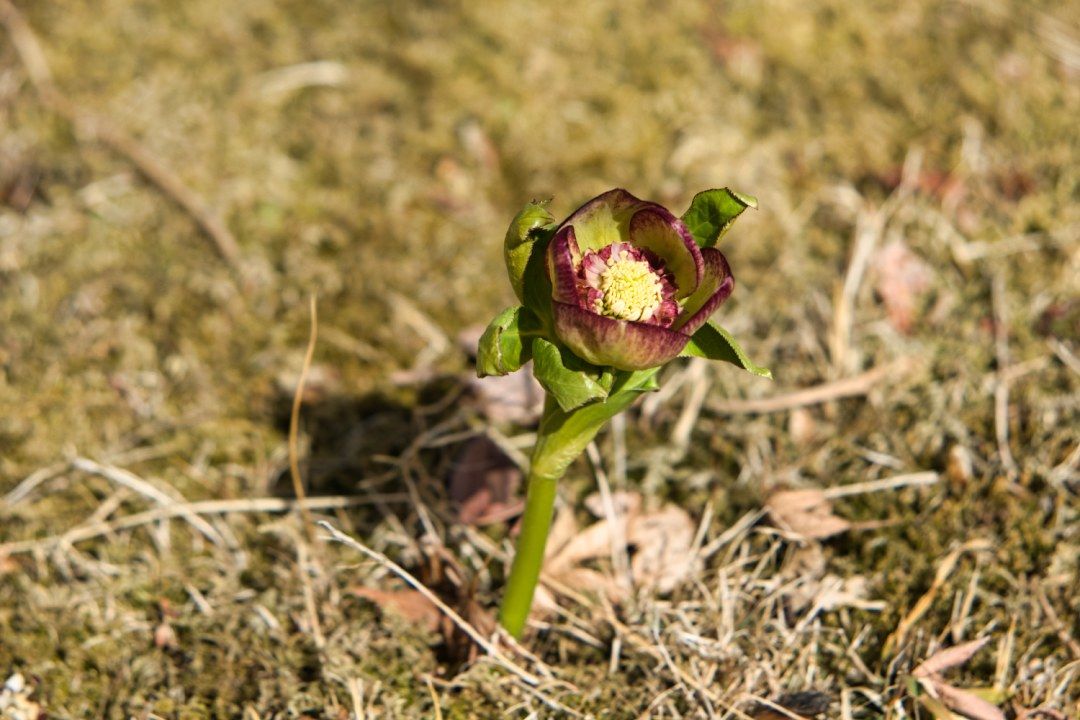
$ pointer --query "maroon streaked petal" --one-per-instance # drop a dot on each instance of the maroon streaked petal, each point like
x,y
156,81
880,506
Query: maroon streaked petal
x,y
604,220
563,259
665,315
716,286
620,344
654,228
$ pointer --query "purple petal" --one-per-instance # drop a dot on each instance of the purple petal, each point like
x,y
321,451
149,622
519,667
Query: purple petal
x,y
563,259
605,219
716,286
656,229
620,344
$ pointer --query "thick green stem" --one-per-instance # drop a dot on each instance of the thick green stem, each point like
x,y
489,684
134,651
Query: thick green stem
x,y
524,573
562,436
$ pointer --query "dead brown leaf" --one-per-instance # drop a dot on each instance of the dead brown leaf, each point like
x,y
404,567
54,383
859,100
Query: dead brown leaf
x,y
588,544
965,703
805,512
624,503
928,672
902,278
164,636
484,484
409,605
949,658
662,542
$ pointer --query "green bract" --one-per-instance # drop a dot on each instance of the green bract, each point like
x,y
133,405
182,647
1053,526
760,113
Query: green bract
x,y
619,287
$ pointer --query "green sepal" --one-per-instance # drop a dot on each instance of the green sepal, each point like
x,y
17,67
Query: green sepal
x,y
506,344
532,223
712,212
565,377
715,343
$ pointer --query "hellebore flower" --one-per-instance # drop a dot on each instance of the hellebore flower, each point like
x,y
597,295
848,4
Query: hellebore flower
x,y
608,296
630,285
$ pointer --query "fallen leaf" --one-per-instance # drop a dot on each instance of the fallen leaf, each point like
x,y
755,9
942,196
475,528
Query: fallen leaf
x,y
8,565
588,544
965,703
948,658
484,484
662,542
164,636
624,503
409,605
805,512
806,703
902,278
928,672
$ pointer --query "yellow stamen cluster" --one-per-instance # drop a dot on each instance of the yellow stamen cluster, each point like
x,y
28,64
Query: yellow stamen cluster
x,y
632,290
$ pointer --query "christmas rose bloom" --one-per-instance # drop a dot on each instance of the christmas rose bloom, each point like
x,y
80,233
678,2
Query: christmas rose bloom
x,y
629,283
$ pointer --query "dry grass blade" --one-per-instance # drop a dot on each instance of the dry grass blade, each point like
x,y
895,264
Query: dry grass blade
x,y
847,387
136,484
294,421
941,576
205,507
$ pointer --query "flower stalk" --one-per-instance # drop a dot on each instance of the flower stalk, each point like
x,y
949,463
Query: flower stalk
x,y
529,554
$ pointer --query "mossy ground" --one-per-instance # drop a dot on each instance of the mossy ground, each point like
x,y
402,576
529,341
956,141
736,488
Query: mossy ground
x,y
382,183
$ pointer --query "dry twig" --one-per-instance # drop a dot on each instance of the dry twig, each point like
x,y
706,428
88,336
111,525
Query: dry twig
x,y
847,387
136,484
206,507
96,129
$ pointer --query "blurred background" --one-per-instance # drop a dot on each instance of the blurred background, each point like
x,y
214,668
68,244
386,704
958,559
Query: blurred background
x,y
192,172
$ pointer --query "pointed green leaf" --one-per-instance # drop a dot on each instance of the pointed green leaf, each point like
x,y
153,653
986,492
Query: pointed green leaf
x,y
571,386
712,212
528,226
716,343
506,343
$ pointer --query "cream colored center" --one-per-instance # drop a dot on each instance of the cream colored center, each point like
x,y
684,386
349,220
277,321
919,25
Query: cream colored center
x,y
632,290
